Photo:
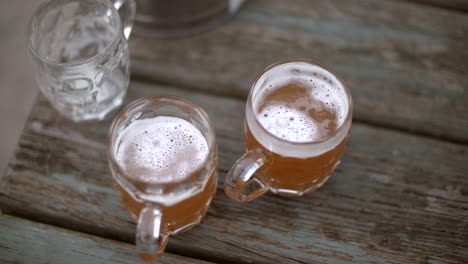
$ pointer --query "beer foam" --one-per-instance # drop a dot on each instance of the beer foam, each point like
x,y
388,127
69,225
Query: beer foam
x,y
299,102
301,107
301,110
161,149
289,124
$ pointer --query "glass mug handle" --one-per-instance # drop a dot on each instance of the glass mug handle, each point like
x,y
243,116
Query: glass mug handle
x,y
150,240
127,11
241,184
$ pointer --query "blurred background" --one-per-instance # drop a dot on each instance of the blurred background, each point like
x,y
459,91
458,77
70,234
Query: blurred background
x,y
17,87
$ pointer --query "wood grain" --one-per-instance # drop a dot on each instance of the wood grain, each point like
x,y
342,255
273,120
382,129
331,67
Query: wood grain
x,y
23,241
396,197
406,63
458,5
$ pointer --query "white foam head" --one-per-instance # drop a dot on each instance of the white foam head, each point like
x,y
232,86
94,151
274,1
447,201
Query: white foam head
x,y
289,124
316,107
161,149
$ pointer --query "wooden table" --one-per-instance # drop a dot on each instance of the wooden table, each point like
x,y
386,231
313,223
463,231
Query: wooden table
x,y
399,196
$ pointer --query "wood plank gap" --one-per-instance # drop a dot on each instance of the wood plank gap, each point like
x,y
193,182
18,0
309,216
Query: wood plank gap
x,y
404,62
459,6
175,246
395,197
139,77
423,134
25,241
144,79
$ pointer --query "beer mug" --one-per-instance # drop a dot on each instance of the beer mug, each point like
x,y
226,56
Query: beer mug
x,y
297,121
163,158
80,54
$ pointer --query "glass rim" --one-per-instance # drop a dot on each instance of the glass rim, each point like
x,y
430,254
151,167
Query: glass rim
x,y
349,114
42,8
210,138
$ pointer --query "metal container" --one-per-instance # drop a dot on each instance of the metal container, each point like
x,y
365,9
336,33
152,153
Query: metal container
x,y
178,18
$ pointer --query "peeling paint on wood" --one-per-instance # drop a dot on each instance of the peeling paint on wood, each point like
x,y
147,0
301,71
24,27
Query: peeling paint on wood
x,y
406,63
396,197
23,241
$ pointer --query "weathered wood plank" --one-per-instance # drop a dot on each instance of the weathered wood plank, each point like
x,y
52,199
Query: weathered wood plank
x,y
23,241
459,5
406,63
396,197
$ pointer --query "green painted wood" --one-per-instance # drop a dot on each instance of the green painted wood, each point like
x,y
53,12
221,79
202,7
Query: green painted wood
x,y
406,63
396,197
23,241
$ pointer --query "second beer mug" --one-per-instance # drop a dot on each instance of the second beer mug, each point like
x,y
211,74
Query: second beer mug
x,y
298,118
80,54
163,158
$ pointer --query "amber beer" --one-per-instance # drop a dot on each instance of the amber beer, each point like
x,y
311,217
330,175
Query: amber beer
x,y
164,163
298,118
161,150
181,216
294,113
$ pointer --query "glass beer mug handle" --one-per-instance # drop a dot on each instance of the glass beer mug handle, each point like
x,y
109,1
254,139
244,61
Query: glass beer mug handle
x,y
150,241
127,11
241,183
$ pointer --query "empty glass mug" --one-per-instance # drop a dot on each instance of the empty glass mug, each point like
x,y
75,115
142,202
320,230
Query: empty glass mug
x,y
80,54
164,163
297,122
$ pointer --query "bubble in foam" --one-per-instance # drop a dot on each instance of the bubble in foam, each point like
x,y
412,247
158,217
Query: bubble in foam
x,y
292,125
302,110
169,149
